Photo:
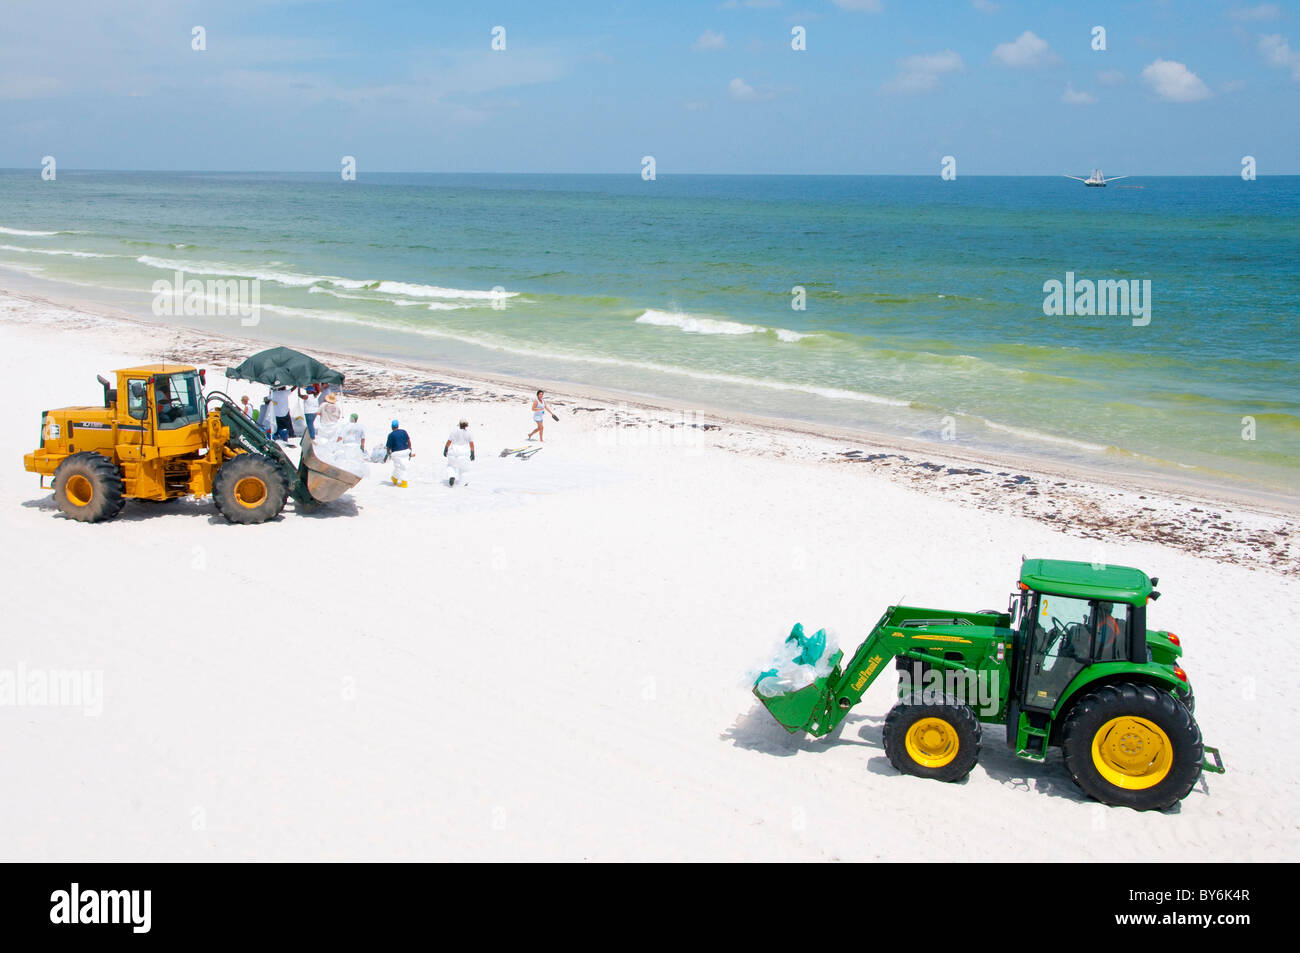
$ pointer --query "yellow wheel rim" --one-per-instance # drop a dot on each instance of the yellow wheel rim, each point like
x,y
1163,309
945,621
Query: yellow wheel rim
x,y
1132,753
250,492
932,742
80,490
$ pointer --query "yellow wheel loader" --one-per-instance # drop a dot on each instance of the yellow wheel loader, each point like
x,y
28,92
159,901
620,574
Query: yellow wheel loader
x,y
159,437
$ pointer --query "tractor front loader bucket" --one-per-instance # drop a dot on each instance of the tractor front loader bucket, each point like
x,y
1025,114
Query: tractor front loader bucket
x,y
794,693
325,482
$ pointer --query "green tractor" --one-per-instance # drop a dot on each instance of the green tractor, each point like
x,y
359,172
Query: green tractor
x,y
1070,664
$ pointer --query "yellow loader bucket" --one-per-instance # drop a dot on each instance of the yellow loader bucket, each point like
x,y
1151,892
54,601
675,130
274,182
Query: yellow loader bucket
x,y
325,482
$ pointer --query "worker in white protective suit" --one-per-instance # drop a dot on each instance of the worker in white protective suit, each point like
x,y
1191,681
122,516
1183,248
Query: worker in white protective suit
x,y
353,434
459,451
400,452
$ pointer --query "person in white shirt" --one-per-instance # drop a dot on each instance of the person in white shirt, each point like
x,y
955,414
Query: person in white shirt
x,y
540,409
310,408
330,417
283,421
459,451
354,434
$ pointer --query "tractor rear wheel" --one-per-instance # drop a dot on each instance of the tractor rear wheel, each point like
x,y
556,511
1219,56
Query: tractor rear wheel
x,y
1132,745
932,739
249,489
87,487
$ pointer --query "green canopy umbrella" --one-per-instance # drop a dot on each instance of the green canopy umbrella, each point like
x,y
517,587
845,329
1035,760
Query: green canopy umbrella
x,y
284,367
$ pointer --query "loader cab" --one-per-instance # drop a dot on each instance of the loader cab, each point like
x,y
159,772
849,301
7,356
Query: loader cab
x,y
1070,616
167,396
178,400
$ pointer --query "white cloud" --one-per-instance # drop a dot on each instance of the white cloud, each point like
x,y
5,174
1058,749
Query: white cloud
x,y
920,73
945,62
1277,52
859,6
743,92
985,6
708,40
913,83
1111,77
1026,51
1265,11
1077,97
1173,81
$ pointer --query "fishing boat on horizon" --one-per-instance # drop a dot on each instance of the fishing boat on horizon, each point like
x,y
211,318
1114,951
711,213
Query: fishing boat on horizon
x,y
1096,180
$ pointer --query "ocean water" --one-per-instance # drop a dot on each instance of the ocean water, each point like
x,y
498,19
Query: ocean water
x,y
922,312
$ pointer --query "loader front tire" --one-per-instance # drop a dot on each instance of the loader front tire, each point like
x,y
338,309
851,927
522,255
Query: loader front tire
x,y
1133,746
937,739
249,489
87,487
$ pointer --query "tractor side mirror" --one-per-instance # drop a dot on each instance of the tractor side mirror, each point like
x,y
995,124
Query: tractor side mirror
x,y
203,376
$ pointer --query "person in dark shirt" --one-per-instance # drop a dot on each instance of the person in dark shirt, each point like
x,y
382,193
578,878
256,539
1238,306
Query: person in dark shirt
x,y
399,449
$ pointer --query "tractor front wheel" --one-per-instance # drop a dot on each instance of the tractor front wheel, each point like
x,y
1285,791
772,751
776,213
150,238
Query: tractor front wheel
x,y
1132,745
249,489
87,487
937,739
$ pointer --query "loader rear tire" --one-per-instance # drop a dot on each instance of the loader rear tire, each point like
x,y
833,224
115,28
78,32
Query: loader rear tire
x,y
249,489
932,739
87,487
1133,746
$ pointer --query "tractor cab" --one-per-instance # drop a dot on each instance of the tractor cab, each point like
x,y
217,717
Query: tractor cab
x,y
1069,616
169,398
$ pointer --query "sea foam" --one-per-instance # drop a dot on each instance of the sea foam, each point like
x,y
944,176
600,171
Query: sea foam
x,y
295,280
695,324
56,251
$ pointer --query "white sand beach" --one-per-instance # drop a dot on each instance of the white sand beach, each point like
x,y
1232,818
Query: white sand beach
x,y
550,662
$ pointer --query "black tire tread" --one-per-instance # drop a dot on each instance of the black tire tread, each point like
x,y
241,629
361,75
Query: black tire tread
x,y
246,464
907,711
109,490
1145,701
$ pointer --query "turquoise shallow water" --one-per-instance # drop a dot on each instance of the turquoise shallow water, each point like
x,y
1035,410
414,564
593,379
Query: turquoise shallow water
x,y
924,298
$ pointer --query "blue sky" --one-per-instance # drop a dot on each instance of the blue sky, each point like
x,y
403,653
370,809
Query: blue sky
x,y
884,86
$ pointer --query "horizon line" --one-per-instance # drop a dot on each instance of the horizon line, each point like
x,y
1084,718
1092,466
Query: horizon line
x,y
636,173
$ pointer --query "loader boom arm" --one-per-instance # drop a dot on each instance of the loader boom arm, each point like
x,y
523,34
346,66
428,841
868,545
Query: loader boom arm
x,y
955,643
248,436
871,658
